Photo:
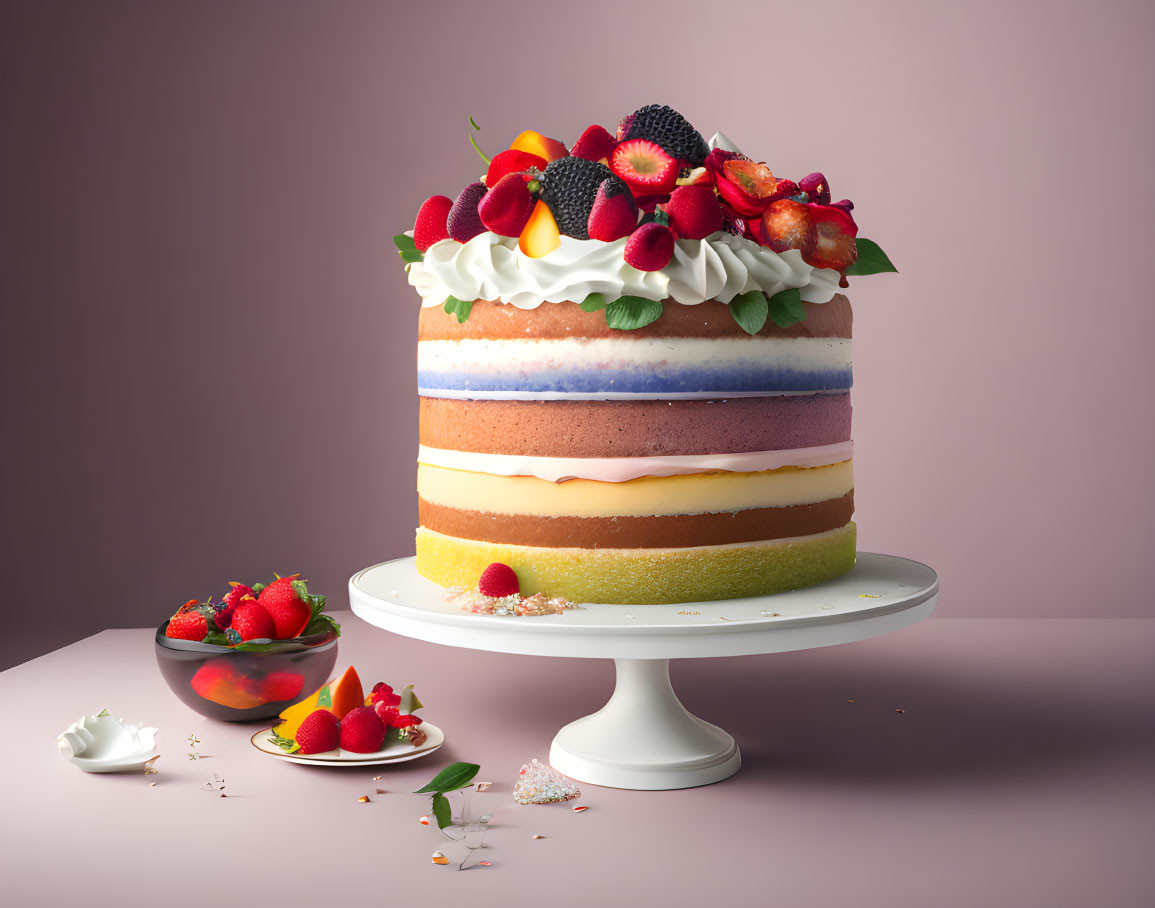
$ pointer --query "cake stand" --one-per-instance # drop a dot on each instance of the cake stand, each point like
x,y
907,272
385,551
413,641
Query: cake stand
x,y
643,738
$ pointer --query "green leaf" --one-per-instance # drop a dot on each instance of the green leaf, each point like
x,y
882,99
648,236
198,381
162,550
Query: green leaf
x,y
442,811
871,259
257,587
785,308
408,251
288,745
595,302
325,697
216,637
460,308
629,312
750,311
451,778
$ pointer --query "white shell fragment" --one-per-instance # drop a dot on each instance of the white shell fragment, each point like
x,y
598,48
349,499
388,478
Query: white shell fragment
x,y
104,743
723,141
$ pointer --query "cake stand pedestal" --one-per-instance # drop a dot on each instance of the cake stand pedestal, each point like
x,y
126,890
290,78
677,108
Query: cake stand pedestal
x,y
643,738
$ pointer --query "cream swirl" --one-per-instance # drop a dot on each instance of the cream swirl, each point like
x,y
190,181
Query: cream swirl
x,y
720,267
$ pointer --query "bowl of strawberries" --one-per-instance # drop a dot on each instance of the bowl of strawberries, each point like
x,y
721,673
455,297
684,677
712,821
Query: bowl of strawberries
x,y
250,653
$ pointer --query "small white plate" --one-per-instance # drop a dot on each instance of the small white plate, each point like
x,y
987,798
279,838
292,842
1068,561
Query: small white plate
x,y
397,752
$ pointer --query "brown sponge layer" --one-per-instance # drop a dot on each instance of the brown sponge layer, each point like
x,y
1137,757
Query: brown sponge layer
x,y
673,531
635,428
499,321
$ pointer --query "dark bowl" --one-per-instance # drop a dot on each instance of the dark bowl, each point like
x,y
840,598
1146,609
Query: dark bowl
x,y
238,686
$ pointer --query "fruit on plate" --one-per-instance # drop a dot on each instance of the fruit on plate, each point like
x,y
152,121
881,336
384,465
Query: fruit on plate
x,y
367,723
320,731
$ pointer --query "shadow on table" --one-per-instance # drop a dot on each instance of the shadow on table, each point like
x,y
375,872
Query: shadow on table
x,y
793,719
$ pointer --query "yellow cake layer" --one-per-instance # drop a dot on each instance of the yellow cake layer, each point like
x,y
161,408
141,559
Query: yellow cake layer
x,y
640,576
649,496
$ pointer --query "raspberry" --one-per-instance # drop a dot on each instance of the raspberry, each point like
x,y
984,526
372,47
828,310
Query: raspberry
x,y
498,580
383,693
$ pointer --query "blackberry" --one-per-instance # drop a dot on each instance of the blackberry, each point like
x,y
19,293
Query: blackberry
x,y
666,127
569,187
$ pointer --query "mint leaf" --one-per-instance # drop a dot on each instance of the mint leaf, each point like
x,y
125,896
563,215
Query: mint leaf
x,y
451,778
460,308
442,811
785,308
407,249
750,311
629,312
871,259
595,302
216,637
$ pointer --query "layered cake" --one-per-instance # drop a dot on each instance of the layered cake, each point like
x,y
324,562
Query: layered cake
x,y
634,366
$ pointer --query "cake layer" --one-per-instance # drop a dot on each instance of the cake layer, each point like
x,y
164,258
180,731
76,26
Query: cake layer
x,y
697,493
553,321
667,531
635,428
639,576
641,367
622,469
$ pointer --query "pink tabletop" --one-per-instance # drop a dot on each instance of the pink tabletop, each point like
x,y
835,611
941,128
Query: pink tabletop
x,y
1018,772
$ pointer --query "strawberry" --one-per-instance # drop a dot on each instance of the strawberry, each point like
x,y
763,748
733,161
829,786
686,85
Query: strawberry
x,y
789,225
431,226
650,247
382,693
694,212
746,186
506,208
362,730
188,623
251,621
498,580
319,731
278,686
615,213
644,167
290,613
835,233
224,613
464,222
511,161
816,188
594,144
393,718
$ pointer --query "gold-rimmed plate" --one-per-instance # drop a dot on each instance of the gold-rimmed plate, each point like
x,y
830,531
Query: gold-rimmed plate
x,y
395,752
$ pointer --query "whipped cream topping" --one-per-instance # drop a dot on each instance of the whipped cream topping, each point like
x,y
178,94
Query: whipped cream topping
x,y
722,266
623,469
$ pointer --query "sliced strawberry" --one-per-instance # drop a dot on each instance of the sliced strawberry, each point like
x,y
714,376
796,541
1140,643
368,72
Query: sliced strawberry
x,y
694,212
615,213
816,188
511,161
594,144
650,247
644,167
789,225
506,208
835,233
464,222
748,187
431,223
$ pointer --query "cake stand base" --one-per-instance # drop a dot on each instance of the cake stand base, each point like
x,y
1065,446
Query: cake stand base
x,y
644,738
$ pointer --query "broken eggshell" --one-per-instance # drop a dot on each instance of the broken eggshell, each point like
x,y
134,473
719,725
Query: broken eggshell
x,y
104,743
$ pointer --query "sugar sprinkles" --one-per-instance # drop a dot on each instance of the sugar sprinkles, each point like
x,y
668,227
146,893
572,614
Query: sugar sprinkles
x,y
507,606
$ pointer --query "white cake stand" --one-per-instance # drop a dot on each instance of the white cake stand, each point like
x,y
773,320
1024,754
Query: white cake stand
x,y
643,738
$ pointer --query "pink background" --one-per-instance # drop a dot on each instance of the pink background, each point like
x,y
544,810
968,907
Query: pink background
x,y
208,341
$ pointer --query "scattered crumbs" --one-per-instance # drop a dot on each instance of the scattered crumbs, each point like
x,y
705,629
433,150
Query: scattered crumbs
x,y
424,821
223,795
150,767
380,791
868,596
766,613
484,864
826,607
539,837
689,612
152,784
394,593
376,778
631,616
849,701
483,786
580,808
900,710
522,607
721,618
439,858
364,799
